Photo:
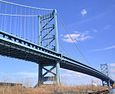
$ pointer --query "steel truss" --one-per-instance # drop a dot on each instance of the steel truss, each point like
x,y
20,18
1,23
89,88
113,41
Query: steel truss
x,y
105,70
48,38
49,73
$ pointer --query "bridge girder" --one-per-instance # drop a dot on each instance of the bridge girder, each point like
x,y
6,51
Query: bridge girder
x,y
49,72
18,48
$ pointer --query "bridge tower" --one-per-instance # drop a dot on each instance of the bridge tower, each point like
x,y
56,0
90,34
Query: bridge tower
x,y
48,38
105,70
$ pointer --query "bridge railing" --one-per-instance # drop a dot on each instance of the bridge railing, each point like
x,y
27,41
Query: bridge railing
x,y
87,68
21,41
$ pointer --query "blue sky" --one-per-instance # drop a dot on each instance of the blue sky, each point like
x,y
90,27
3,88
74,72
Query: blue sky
x,y
91,25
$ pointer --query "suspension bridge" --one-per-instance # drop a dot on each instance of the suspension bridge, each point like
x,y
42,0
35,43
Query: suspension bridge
x,y
31,34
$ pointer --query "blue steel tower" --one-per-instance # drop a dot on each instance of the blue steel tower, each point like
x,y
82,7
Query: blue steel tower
x,y
105,70
48,38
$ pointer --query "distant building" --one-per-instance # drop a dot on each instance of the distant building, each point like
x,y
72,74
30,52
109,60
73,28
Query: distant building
x,y
10,84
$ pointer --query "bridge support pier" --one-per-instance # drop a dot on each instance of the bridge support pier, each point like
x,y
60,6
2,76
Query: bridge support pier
x,y
106,83
49,74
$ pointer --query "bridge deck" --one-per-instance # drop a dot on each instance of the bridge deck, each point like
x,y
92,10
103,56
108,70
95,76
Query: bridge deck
x,y
18,48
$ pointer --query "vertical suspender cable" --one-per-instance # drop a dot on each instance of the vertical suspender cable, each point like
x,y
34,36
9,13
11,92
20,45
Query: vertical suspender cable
x,y
24,24
0,16
47,42
65,52
10,20
15,22
27,25
17,28
33,26
36,27
32,30
30,26
4,18
20,24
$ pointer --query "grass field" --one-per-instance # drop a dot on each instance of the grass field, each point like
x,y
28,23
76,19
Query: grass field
x,y
49,89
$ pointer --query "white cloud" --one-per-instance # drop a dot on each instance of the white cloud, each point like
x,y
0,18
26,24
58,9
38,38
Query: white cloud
x,y
71,38
110,47
83,12
76,78
75,37
95,30
20,74
106,48
112,70
26,74
106,27
112,64
68,73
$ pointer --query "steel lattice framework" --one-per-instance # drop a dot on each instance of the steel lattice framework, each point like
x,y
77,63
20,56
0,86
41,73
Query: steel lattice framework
x,y
105,70
48,31
48,38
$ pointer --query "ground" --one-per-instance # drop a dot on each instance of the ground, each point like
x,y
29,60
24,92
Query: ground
x,y
50,89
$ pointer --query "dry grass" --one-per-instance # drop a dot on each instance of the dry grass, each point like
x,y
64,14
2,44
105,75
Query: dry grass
x,y
49,89
113,85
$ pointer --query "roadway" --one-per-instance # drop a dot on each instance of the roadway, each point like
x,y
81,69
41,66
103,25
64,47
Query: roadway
x,y
16,47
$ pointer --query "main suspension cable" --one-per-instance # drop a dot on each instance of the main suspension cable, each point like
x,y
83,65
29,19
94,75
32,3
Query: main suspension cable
x,y
78,49
3,14
25,6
